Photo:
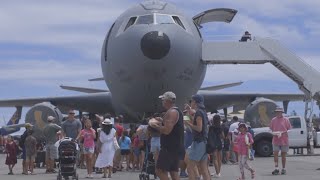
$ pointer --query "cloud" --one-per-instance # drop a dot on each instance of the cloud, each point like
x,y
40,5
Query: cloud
x,y
260,8
76,24
313,27
82,25
48,73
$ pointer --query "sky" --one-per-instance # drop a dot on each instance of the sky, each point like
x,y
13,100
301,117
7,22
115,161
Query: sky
x,y
44,43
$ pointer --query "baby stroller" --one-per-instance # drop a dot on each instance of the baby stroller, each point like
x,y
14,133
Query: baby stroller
x,y
67,159
149,166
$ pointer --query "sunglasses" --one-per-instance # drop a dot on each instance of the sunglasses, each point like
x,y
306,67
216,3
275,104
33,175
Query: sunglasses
x,y
71,113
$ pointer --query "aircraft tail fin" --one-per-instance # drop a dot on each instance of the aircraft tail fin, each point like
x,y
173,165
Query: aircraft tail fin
x,y
222,86
16,116
82,89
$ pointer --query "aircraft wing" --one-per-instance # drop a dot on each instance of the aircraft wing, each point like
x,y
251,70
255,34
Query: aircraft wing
x,y
82,89
218,100
222,86
94,102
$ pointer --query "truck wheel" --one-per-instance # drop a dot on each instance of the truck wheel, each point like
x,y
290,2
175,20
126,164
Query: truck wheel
x,y
264,148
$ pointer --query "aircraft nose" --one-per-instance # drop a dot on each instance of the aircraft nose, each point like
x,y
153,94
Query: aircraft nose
x,y
155,45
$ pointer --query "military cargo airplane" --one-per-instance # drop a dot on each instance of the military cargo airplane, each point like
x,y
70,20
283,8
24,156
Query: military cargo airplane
x,y
152,48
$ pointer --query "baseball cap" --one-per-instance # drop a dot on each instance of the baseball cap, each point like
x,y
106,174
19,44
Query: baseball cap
x,y
168,95
198,98
51,118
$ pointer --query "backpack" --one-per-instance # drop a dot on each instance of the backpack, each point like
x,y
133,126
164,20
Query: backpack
x,y
213,140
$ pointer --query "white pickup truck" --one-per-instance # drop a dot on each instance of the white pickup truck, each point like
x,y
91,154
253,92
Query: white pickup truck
x,y
298,137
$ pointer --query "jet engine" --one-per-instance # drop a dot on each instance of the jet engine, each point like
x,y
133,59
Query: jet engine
x,y
260,112
37,116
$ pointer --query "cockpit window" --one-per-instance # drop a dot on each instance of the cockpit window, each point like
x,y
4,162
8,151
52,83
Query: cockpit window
x,y
164,19
155,19
107,42
178,21
131,21
146,19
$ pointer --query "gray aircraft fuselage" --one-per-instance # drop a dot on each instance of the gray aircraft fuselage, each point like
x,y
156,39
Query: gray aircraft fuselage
x,y
153,55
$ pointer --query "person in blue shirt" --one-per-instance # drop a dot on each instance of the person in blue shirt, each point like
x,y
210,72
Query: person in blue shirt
x,y
125,144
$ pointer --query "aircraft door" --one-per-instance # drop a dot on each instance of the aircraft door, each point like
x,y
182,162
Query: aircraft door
x,y
215,15
298,133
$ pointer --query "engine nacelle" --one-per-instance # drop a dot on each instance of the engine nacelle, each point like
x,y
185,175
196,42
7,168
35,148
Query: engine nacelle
x,y
38,114
260,112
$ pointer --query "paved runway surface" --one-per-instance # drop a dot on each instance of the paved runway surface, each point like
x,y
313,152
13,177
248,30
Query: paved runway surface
x,y
299,168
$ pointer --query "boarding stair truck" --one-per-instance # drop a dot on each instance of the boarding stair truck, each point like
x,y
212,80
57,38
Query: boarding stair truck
x,y
267,50
298,137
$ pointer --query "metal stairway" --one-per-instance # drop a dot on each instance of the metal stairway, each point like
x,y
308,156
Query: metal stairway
x,y
294,67
262,51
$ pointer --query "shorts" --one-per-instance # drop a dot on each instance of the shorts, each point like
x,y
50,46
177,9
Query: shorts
x,y
226,145
51,152
30,158
155,144
282,148
168,161
88,150
125,152
136,151
198,151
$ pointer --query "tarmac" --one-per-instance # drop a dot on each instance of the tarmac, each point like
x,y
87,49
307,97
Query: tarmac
x,y
298,167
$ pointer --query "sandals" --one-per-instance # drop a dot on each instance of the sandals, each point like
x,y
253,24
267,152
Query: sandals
x,y
253,174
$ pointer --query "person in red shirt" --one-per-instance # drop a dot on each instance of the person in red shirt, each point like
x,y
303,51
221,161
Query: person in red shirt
x,y
279,126
118,125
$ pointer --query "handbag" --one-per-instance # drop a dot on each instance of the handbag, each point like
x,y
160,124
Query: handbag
x,y
115,143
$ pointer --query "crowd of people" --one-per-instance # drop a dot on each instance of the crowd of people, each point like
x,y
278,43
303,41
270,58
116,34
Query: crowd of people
x,y
184,141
